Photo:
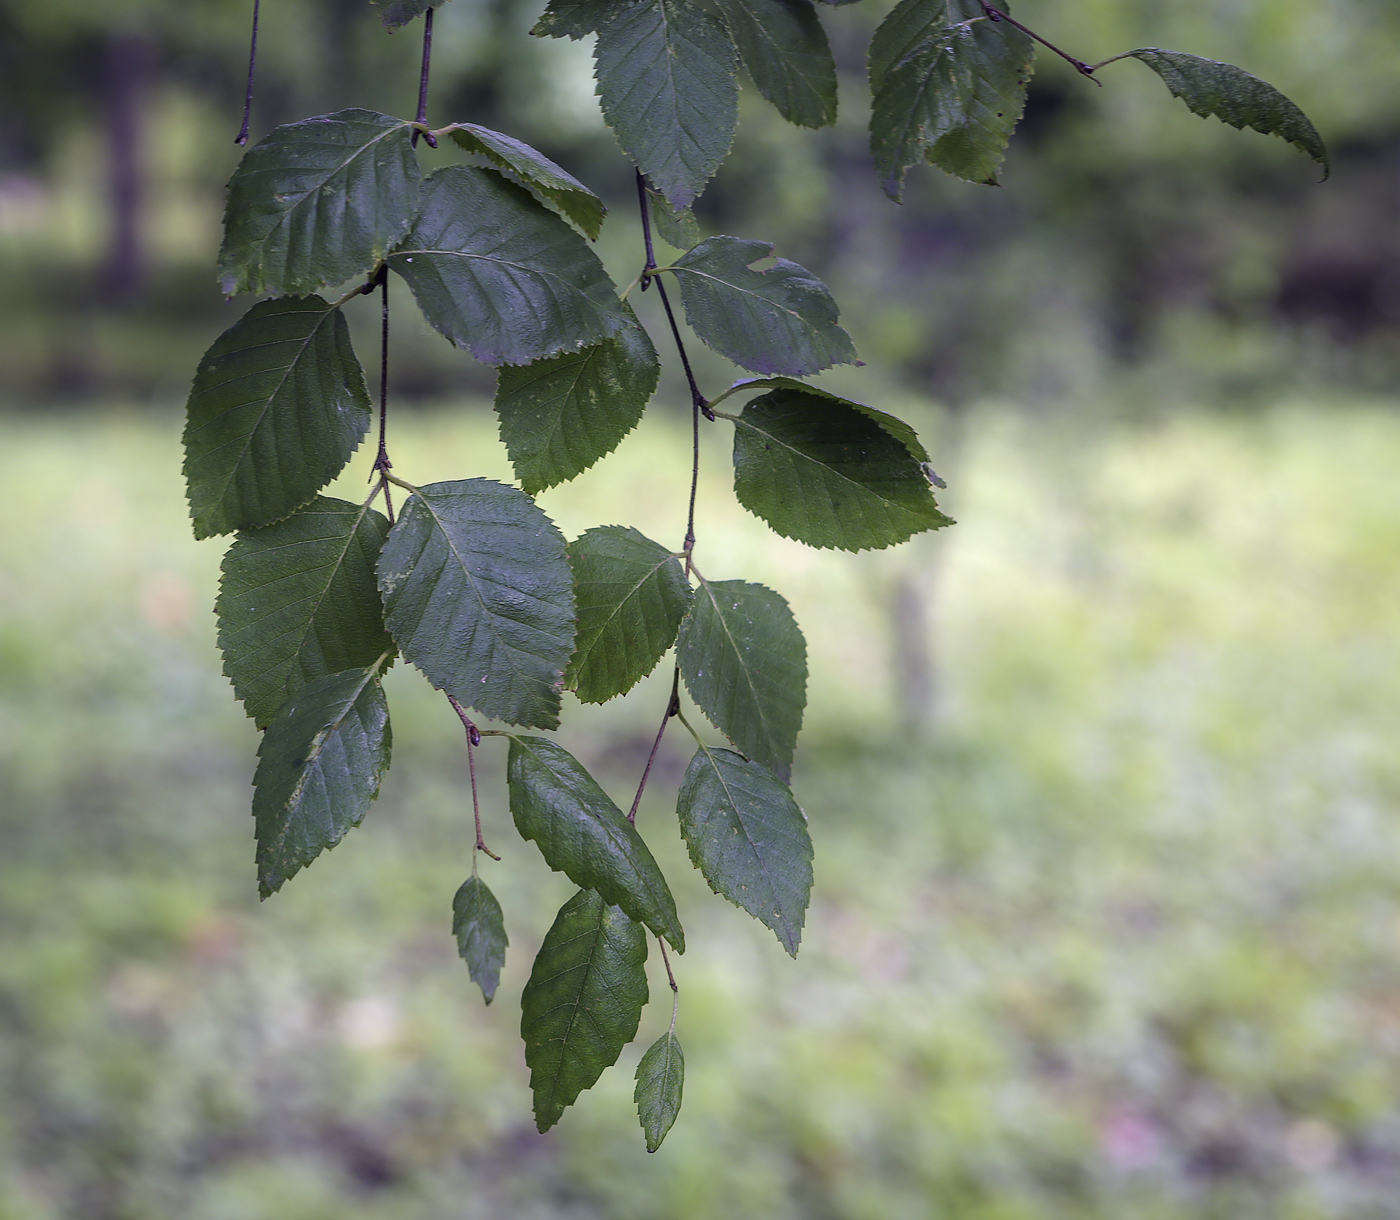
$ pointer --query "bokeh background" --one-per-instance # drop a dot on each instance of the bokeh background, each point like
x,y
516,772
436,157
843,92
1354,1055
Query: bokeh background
x,y
1103,781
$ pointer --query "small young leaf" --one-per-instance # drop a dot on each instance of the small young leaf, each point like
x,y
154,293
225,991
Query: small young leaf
x,y
278,405
946,84
1235,97
561,414
480,930
398,13
536,172
479,596
749,839
666,81
782,320
632,595
660,1080
318,202
583,1002
582,834
298,601
675,226
319,766
744,662
784,49
828,474
500,275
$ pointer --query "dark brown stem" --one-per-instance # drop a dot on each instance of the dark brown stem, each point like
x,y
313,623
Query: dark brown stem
x,y
423,81
242,137
995,14
473,740
673,705
382,464
670,978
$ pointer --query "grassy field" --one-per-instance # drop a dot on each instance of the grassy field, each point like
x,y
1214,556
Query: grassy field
x,y
1118,935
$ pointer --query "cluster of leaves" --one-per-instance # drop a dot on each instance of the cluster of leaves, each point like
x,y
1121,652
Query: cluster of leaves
x,y
472,584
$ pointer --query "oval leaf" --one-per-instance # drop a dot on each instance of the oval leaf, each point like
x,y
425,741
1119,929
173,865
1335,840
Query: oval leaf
x,y
480,929
782,320
582,834
632,594
278,405
744,662
319,766
1235,97
536,172
660,1082
478,595
828,474
318,202
501,276
784,49
298,601
583,1002
560,415
947,84
666,80
749,839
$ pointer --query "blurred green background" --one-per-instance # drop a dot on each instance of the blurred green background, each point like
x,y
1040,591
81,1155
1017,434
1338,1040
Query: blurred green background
x,y
1102,781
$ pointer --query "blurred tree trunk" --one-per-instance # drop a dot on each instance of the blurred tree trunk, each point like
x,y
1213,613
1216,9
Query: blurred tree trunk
x,y
123,87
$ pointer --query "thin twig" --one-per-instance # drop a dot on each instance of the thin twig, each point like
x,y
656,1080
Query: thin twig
x,y
995,14
242,137
382,464
670,978
473,740
673,705
423,81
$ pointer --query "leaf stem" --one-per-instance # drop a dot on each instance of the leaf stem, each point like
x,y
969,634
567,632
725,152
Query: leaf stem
x,y
473,740
995,14
670,978
382,464
398,482
423,82
673,706
242,137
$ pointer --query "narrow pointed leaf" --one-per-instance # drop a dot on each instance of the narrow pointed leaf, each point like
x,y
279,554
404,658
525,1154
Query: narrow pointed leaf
x,y
632,594
1235,97
947,85
675,226
666,80
500,275
319,766
298,601
318,202
278,405
480,929
749,839
536,172
660,1082
827,474
582,834
479,596
561,414
583,1002
782,320
784,49
744,662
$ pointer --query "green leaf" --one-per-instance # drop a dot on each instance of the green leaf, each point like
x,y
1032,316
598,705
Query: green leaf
x,y
277,407
561,414
319,766
479,596
660,1080
582,834
318,202
632,594
1235,97
583,1002
666,81
784,49
577,18
744,662
675,226
749,839
828,473
480,930
536,172
782,320
298,601
501,276
398,13
948,85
